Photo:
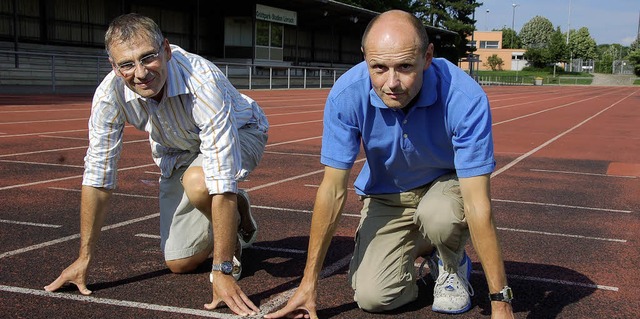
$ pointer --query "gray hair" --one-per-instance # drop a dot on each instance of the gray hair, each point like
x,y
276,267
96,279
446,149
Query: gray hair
x,y
130,26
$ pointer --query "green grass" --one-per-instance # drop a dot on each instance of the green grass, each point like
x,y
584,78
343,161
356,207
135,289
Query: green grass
x,y
636,82
528,76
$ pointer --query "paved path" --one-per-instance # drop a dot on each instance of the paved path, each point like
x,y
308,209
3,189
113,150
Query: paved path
x,y
611,79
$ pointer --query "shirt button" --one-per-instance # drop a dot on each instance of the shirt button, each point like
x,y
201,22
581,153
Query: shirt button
x,y
405,135
404,122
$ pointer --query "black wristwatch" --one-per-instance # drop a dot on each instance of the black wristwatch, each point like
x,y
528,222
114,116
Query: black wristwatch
x,y
225,267
505,295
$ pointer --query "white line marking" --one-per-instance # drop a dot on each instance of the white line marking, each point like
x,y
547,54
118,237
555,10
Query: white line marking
x,y
292,154
6,221
115,302
562,235
66,137
66,178
46,121
294,123
547,280
45,164
40,133
543,145
282,250
119,194
60,149
295,141
318,186
71,237
580,173
563,206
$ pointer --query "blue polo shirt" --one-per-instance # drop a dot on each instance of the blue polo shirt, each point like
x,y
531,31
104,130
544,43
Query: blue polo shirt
x,y
447,130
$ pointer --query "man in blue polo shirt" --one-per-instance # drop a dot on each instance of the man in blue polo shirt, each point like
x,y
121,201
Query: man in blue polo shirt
x,y
425,127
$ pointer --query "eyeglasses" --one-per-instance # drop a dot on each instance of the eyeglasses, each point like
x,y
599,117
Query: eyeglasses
x,y
128,68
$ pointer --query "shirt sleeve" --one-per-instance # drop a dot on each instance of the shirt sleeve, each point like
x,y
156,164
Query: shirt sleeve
x,y
220,146
106,126
340,135
472,137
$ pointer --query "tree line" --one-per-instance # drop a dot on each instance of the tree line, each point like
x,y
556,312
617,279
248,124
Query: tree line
x,y
544,44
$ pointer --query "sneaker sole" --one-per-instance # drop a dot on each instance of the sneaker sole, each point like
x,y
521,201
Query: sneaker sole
x,y
254,235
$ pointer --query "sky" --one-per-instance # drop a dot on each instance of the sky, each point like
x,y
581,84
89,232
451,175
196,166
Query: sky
x,y
609,21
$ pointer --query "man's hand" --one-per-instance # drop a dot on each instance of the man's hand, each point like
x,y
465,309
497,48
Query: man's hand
x,y
226,291
76,274
301,305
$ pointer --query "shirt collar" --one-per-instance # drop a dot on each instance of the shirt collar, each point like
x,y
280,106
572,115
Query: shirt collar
x,y
426,97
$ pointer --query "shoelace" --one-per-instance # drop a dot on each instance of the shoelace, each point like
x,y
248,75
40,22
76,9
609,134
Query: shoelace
x,y
449,279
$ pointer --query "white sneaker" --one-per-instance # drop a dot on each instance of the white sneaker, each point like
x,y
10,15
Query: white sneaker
x,y
247,235
452,292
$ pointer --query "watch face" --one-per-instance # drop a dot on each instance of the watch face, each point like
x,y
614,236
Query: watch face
x,y
226,267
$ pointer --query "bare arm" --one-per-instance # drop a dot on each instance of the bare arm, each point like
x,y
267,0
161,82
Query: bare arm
x,y
330,200
476,194
93,207
225,225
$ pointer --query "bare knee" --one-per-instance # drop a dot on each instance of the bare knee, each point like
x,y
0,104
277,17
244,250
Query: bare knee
x,y
188,264
195,188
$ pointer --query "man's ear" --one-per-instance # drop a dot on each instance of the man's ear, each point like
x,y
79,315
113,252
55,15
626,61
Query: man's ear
x,y
167,49
428,56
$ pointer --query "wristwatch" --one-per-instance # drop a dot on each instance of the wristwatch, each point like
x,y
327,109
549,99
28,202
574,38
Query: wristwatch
x,y
225,267
505,295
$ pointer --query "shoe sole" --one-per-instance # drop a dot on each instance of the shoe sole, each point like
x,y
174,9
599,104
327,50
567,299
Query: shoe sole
x,y
252,239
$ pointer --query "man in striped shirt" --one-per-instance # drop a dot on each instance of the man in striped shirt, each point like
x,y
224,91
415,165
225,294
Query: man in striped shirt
x,y
205,136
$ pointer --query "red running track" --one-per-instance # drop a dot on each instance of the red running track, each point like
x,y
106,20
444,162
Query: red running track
x,y
565,197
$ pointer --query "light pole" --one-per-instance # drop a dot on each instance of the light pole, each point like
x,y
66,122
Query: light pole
x,y
513,24
486,21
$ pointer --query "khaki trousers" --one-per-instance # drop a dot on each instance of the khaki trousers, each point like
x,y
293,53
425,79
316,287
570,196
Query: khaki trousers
x,y
397,228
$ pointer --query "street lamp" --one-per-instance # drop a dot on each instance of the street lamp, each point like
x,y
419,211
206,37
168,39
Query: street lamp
x,y
513,24
486,21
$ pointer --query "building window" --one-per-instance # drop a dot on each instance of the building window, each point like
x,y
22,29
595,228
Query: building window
x,y
489,45
269,37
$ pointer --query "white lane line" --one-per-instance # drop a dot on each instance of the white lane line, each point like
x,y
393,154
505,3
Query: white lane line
x,y
292,154
545,144
45,164
59,149
318,186
561,234
580,173
116,302
41,133
293,113
46,121
299,210
119,194
294,141
66,178
563,206
547,280
66,137
67,238
15,222
282,250
294,123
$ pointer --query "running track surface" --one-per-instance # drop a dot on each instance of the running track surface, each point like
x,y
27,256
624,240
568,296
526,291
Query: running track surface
x,y
565,194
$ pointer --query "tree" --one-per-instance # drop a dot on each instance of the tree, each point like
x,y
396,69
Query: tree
x,y
536,33
453,15
582,45
556,48
510,39
380,5
494,62
634,58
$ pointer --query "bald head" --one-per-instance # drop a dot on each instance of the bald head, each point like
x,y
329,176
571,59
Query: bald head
x,y
394,24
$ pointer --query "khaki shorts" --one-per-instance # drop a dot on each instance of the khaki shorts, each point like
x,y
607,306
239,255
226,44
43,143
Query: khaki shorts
x,y
184,230
394,230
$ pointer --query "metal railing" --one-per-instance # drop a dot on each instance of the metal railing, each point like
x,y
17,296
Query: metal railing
x,y
37,72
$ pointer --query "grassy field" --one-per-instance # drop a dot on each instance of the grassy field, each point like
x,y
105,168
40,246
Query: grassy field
x,y
528,77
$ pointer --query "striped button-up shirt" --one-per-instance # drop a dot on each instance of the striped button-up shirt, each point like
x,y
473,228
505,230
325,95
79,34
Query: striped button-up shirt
x,y
200,112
